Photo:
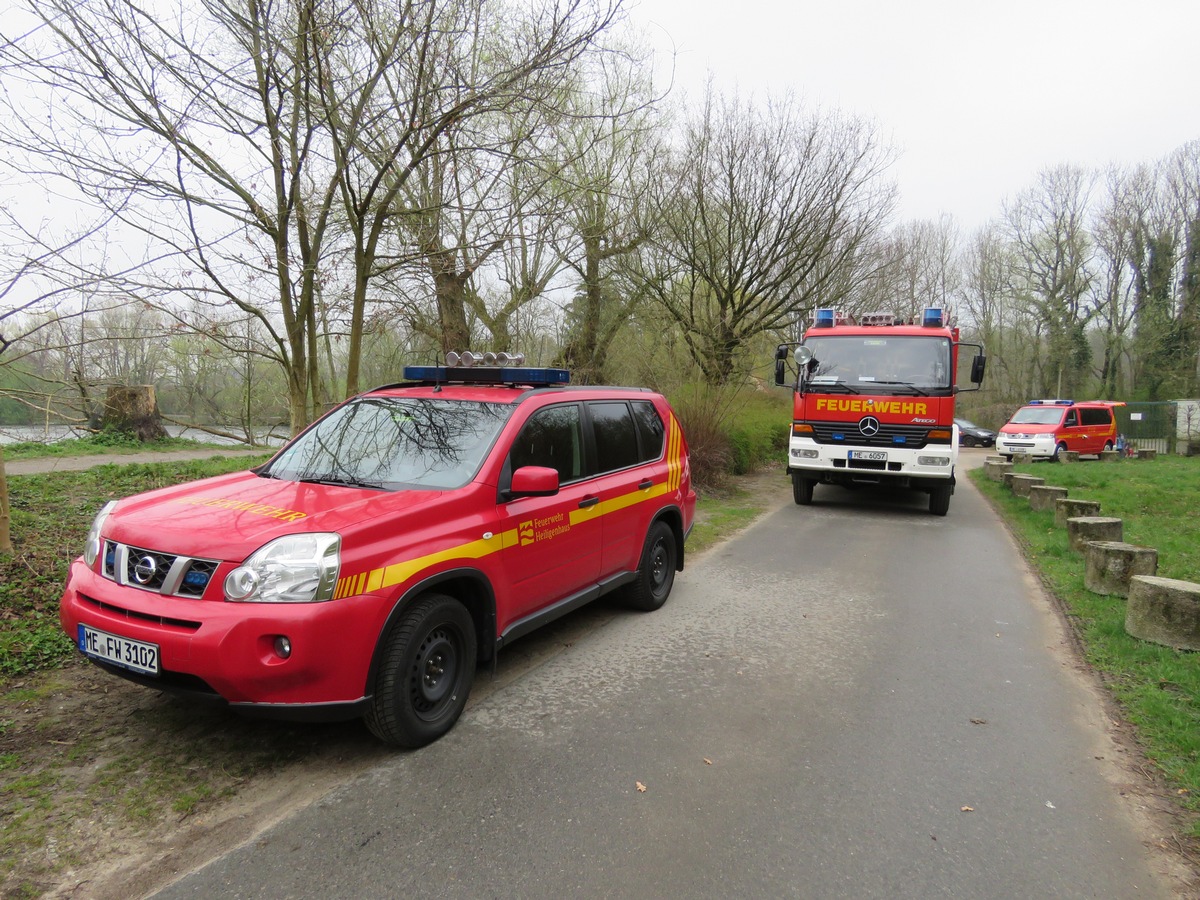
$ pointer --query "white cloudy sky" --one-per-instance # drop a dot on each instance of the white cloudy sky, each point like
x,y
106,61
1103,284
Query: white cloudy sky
x,y
978,96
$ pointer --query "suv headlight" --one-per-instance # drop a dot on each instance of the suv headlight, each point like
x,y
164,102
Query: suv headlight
x,y
298,568
91,549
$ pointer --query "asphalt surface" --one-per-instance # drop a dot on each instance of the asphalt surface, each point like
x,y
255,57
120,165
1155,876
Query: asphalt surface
x,y
854,699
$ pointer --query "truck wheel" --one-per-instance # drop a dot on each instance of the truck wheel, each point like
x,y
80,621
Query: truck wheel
x,y
939,500
656,571
425,674
802,489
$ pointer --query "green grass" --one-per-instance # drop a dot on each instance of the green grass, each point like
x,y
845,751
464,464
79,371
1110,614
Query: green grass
x,y
103,443
1157,500
50,518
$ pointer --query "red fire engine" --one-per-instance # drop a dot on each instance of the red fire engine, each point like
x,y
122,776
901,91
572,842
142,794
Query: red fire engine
x,y
874,404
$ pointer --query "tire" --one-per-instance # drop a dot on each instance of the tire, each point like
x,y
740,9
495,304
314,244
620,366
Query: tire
x,y
1007,457
802,489
967,441
1108,445
1057,450
425,673
656,570
939,500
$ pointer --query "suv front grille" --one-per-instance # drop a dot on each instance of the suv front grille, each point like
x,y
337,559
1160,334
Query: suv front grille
x,y
161,573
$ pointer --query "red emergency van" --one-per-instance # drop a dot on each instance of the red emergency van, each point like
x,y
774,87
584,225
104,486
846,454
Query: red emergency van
x,y
1044,428
401,540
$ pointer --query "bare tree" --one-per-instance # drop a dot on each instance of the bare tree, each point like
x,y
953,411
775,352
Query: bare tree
x,y
765,207
921,269
1047,227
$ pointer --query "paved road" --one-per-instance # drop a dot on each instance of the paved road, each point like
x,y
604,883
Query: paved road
x,y
854,699
79,463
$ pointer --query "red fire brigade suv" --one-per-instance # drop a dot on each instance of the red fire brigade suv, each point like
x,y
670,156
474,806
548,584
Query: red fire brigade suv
x,y
399,541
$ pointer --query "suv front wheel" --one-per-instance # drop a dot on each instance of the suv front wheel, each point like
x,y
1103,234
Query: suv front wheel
x,y
426,673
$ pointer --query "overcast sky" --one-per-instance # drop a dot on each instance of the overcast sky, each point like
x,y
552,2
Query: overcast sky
x,y
978,97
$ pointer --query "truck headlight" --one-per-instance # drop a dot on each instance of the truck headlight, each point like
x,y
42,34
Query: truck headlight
x,y
298,568
91,549
933,460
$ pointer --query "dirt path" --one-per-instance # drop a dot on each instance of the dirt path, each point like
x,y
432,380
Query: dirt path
x,y
79,463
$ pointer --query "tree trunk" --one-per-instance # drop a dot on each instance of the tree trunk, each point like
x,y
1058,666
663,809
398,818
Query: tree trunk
x,y
133,409
6,547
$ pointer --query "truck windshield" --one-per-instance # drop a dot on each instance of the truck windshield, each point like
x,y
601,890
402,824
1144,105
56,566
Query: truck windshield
x,y
390,443
881,364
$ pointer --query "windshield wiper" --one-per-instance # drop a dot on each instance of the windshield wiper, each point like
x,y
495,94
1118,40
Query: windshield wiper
x,y
342,482
829,387
908,384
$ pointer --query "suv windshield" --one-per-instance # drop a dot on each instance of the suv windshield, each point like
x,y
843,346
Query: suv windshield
x,y
883,365
1037,415
395,442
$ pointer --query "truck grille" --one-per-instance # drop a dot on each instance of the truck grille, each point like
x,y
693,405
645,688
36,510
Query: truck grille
x,y
910,436
161,573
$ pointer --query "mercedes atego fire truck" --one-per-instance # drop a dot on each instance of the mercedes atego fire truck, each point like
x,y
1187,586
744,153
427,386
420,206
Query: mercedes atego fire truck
x,y
874,404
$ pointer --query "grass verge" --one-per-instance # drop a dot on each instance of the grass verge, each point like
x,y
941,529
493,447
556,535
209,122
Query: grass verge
x,y
1158,687
102,444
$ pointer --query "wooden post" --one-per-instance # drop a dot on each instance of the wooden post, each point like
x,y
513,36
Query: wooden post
x,y
1042,496
1065,509
1022,483
1111,565
1082,529
1164,611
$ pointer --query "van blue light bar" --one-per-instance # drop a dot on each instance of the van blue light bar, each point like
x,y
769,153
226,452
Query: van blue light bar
x,y
1050,403
536,377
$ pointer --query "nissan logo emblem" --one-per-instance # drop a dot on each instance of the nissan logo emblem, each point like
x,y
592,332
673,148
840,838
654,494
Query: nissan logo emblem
x,y
144,569
869,426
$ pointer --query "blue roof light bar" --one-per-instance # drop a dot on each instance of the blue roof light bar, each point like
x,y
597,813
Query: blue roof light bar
x,y
536,377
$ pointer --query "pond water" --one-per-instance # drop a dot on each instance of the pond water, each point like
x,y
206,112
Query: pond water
x,y
14,434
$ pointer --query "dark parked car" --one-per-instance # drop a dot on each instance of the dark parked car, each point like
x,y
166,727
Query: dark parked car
x,y
971,435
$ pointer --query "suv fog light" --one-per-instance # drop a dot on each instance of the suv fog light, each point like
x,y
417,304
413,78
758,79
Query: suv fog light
x,y
933,460
283,647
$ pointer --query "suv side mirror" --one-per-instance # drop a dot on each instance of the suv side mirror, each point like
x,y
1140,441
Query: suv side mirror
x,y
534,481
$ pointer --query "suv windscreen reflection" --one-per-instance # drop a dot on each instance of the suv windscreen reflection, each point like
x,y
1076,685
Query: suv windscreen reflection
x,y
391,443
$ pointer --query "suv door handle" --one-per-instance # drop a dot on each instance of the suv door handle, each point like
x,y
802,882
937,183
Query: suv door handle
x,y
590,501
646,485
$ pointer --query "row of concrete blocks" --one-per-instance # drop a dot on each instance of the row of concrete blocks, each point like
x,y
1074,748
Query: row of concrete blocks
x,y
1161,610
1070,456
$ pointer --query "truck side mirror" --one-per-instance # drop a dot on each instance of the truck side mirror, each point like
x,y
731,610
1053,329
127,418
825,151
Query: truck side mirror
x,y
780,365
978,364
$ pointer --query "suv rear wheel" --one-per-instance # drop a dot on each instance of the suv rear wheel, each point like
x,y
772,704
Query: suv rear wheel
x,y
656,571
426,673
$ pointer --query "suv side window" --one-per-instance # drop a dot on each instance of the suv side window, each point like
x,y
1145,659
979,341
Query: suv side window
x,y
650,429
616,435
553,437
